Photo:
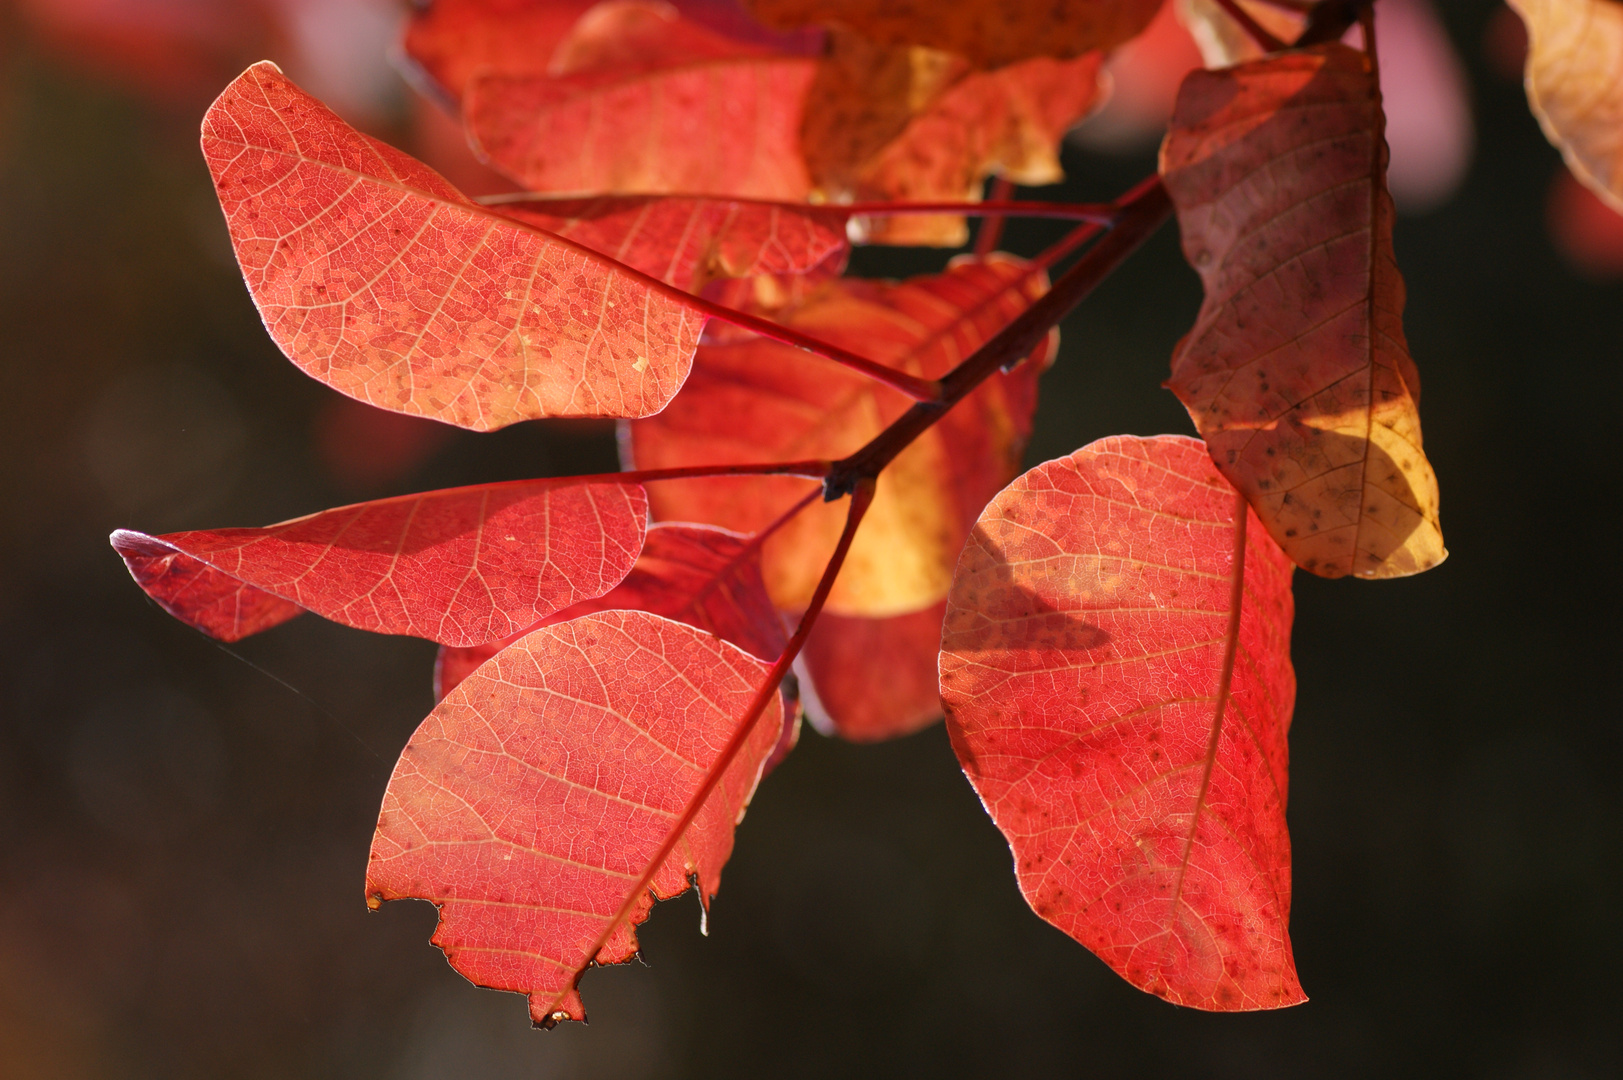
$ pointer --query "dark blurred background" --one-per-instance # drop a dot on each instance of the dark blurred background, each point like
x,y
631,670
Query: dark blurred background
x,y
184,827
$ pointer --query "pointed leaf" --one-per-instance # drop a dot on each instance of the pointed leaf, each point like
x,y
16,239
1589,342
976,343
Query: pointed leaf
x,y
874,679
1575,85
1296,371
990,33
1118,688
380,279
753,400
460,566
688,242
705,577
531,803
642,101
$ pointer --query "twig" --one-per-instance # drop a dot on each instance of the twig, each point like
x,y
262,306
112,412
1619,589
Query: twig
x,y
991,230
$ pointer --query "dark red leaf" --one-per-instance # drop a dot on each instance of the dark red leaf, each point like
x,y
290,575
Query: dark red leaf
x,y
531,804
460,566
874,679
1116,671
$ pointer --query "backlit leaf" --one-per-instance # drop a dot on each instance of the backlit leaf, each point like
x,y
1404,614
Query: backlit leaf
x,y
454,40
688,242
380,279
753,400
1116,672
1297,372
645,102
533,800
460,566
1575,85
990,33
874,679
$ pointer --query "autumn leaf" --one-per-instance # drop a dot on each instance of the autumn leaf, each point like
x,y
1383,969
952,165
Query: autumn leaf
x,y
460,566
532,804
643,101
688,242
751,400
453,40
1296,372
913,124
1223,41
380,279
990,33
1575,85
1116,672
874,679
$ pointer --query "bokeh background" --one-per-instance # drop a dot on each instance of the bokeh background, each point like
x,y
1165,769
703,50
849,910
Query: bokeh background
x,y
184,827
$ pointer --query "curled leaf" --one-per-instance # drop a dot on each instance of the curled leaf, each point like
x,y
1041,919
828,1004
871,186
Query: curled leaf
x,y
531,804
1116,671
460,566
753,400
1575,85
377,277
1296,371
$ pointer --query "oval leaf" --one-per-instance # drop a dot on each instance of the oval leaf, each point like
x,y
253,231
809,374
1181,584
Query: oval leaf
x,y
1118,687
1296,372
380,279
758,401
532,801
1575,85
460,566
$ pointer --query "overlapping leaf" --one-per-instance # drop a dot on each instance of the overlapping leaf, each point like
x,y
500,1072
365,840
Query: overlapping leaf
x,y
532,803
875,679
379,278
1575,85
1297,372
454,40
990,33
461,566
1116,671
752,400
687,242
643,101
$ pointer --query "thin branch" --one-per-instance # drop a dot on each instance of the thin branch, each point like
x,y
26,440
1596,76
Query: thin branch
x,y
1103,213
1143,210
1257,32
861,498
811,470
1068,243
991,230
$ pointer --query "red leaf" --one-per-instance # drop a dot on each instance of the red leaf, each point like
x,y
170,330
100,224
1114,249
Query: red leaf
x,y
874,679
459,566
643,101
688,242
380,279
453,40
1296,371
705,577
532,802
758,401
1118,687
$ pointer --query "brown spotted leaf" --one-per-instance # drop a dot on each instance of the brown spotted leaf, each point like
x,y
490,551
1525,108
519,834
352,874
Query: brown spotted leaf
x,y
1297,372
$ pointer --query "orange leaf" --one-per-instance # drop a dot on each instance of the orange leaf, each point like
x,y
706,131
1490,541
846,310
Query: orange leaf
x,y
460,566
1296,372
532,802
688,242
643,101
874,679
1117,677
1575,85
757,401
380,279
990,33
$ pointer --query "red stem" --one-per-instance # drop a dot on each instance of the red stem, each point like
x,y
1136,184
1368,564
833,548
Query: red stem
x,y
861,497
812,470
991,230
1103,213
1256,30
